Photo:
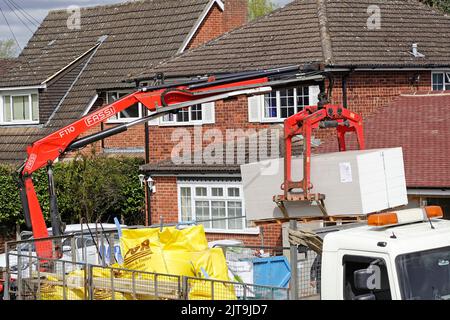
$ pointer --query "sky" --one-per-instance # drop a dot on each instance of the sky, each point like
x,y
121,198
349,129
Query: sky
x,y
24,16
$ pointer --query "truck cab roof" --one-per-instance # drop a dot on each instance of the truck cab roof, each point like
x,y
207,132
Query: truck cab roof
x,y
396,239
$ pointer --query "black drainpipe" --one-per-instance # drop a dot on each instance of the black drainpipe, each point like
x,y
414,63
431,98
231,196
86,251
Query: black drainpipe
x,y
147,143
344,90
148,192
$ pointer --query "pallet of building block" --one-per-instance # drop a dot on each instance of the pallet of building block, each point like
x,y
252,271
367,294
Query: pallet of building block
x,y
353,182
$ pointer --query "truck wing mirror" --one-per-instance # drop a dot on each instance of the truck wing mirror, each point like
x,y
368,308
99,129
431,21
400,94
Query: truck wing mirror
x,y
361,279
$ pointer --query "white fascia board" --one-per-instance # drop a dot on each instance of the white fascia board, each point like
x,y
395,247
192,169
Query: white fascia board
x,y
70,64
429,192
91,103
200,22
42,86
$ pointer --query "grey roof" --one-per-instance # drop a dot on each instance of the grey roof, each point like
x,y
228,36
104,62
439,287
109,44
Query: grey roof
x,y
6,64
332,32
139,33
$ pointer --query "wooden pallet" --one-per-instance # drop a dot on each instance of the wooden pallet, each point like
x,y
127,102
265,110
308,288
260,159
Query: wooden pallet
x,y
329,219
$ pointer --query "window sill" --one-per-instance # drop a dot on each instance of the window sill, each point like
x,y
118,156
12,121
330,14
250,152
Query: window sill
x,y
181,124
272,120
19,123
122,121
248,231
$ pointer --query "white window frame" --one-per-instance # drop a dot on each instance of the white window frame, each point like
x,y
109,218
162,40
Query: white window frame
x,y
446,79
119,119
278,118
166,123
12,94
209,198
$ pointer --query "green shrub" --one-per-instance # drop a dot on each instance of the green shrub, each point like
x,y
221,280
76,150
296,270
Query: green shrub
x,y
95,188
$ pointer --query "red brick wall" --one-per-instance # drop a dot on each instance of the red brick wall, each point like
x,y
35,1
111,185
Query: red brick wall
x,y
218,22
368,91
164,203
236,14
270,236
210,29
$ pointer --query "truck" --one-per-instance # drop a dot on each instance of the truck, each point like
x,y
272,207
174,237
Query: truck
x,y
398,255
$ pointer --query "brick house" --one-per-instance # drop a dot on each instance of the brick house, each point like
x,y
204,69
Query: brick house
x,y
63,72
372,60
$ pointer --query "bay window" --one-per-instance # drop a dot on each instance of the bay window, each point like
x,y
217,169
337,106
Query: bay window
x,y
216,206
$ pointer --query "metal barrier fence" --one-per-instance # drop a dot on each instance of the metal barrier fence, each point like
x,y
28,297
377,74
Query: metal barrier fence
x,y
308,265
207,289
309,274
29,277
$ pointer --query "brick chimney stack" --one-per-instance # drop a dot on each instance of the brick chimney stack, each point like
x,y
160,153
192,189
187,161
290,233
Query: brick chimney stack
x,y
235,14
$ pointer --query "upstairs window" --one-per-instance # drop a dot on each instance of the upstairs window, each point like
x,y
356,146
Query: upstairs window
x,y
441,81
131,114
282,104
278,105
194,115
188,115
19,108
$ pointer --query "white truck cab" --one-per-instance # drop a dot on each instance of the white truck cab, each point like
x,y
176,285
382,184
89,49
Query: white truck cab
x,y
398,256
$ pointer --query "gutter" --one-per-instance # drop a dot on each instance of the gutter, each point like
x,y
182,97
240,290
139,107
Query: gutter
x,y
435,192
36,87
381,67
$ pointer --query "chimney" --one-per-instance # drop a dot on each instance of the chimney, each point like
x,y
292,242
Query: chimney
x,y
415,52
235,14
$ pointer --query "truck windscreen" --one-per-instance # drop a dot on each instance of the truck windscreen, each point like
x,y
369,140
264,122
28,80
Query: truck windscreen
x,y
425,275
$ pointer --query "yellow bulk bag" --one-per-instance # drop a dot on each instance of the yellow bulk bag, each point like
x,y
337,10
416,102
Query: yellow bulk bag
x,y
55,292
212,262
178,252
170,251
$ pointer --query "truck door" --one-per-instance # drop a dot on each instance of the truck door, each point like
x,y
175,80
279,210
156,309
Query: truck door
x,y
366,277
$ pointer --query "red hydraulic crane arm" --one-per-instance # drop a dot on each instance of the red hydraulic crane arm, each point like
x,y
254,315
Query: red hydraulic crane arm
x,y
303,123
45,151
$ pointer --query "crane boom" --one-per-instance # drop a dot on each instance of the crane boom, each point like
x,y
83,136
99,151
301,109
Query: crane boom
x,y
158,100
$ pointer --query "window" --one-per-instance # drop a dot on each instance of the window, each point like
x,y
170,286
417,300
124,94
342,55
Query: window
x,y
425,275
378,283
193,114
19,108
217,207
282,104
441,81
132,113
